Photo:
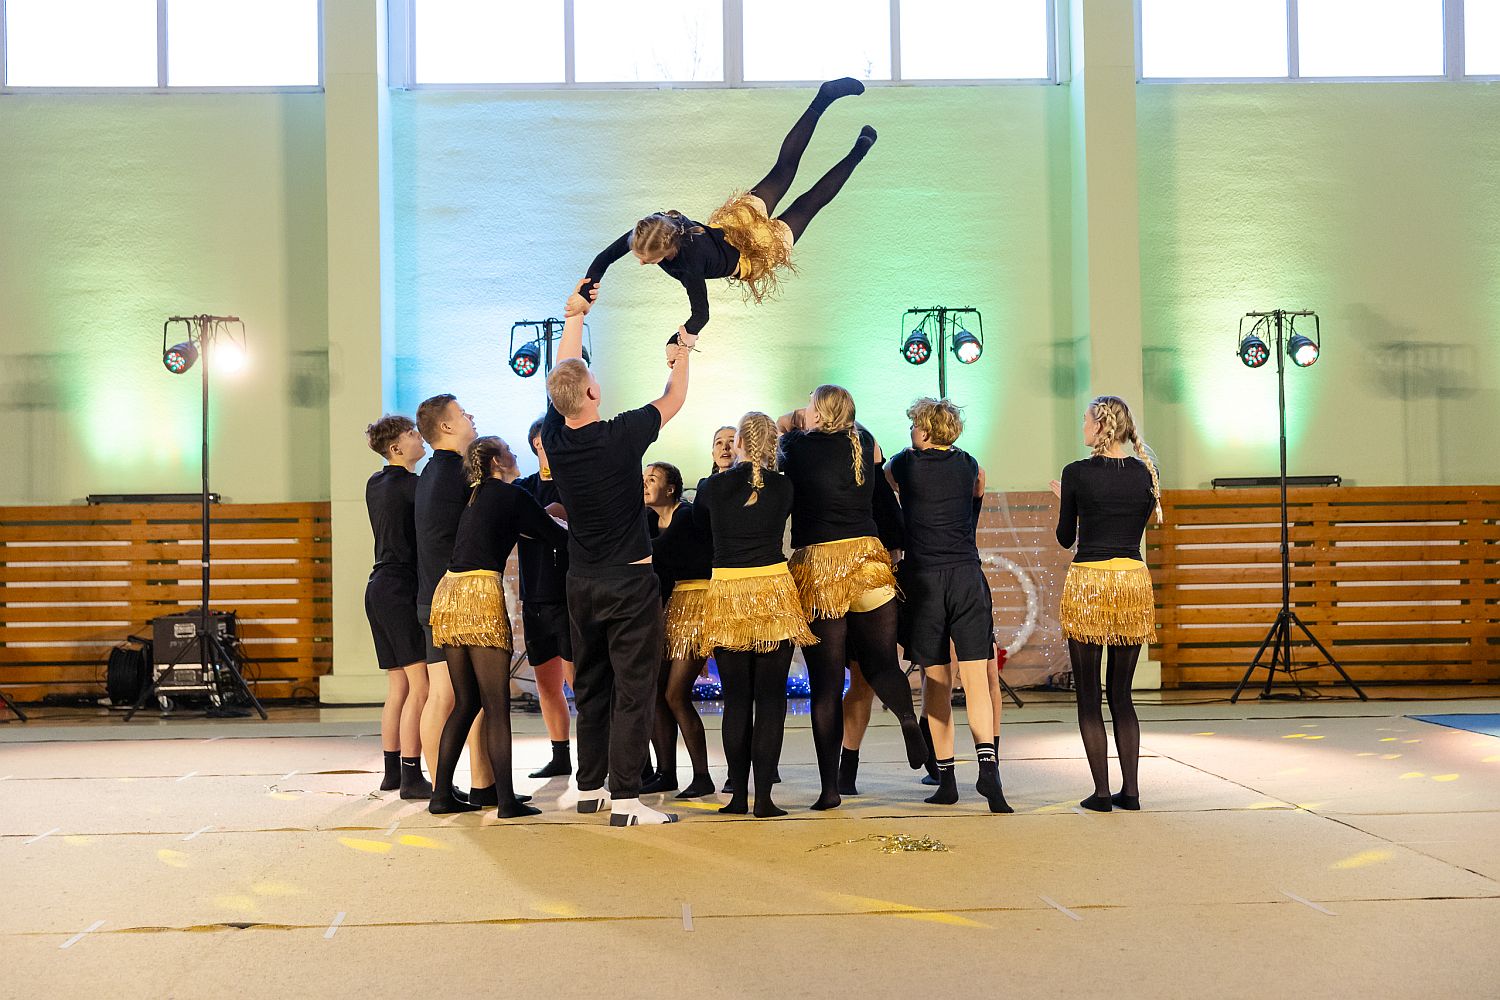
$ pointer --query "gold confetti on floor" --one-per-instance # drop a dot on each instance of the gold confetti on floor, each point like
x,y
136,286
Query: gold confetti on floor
x,y
893,843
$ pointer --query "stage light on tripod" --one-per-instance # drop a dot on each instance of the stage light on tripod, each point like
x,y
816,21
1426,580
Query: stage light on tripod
x,y
966,347
180,357
228,356
1303,350
917,348
1253,351
526,360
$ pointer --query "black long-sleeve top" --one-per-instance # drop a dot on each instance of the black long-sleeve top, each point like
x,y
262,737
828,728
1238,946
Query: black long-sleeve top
x,y
544,568
442,491
683,551
1106,503
498,513
745,536
937,499
703,253
827,504
391,498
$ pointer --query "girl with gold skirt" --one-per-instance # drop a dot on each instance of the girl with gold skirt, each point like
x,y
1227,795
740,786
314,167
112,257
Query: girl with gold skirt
x,y
1108,606
744,240
472,625
752,613
843,574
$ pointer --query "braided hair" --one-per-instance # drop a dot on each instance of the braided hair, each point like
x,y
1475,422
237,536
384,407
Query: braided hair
x,y
835,409
1117,426
481,455
757,440
662,233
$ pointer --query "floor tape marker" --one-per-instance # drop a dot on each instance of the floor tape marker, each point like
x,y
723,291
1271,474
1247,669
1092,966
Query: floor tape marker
x,y
39,836
213,739
187,776
196,832
392,828
333,928
70,942
1060,908
287,775
1307,902
687,916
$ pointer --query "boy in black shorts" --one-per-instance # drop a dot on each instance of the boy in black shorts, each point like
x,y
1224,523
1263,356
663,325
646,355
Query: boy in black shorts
x,y
614,600
947,596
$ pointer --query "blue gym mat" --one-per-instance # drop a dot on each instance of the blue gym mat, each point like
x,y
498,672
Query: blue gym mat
x,y
1489,725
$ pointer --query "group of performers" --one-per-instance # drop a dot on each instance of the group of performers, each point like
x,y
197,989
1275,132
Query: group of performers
x,y
627,587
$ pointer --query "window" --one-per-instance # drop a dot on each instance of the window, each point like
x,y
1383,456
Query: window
x,y
242,43
80,43
209,43
1482,37
481,41
817,39
1363,38
1222,39
653,41
975,40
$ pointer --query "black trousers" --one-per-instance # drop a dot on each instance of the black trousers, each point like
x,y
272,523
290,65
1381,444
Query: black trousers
x,y
617,642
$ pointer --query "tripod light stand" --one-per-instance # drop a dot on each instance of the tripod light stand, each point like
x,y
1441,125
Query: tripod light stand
x,y
214,653
1254,351
938,329
535,353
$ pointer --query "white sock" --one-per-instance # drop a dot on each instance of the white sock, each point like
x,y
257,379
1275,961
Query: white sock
x,y
600,795
637,813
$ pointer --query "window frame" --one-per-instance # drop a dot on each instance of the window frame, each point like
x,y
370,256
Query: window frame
x,y
162,87
403,59
1453,57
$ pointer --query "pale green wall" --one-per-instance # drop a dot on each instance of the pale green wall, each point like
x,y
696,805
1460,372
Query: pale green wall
x,y
117,211
1378,205
503,198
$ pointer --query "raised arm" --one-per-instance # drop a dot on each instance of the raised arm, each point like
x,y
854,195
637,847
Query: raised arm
x,y
572,336
608,256
675,394
697,293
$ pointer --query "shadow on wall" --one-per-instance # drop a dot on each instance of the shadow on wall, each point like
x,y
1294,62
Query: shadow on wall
x,y
31,398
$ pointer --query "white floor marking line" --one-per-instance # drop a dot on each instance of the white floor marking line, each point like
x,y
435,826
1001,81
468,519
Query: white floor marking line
x,y
7,777
687,916
213,739
187,776
392,828
333,928
1060,908
70,942
287,775
196,832
39,836
1307,902
1080,810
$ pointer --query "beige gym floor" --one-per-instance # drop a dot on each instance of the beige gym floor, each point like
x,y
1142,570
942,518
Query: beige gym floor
x,y
1325,848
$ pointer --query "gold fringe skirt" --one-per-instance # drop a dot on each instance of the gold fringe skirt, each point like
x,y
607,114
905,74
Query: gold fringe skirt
x,y
468,609
753,609
764,243
834,578
1109,603
685,619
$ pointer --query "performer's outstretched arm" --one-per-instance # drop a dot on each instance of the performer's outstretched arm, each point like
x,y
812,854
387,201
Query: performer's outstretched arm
x,y
697,293
572,336
608,256
675,393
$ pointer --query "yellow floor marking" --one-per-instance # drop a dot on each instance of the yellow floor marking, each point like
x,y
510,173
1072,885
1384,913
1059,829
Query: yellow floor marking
x,y
173,859
367,846
77,839
1362,859
1445,777
1413,774
416,840
1389,756
1295,736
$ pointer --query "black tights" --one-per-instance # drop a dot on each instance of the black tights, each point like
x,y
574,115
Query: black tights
x,y
868,637
1120,674
675,712
481,677
754,718
773,187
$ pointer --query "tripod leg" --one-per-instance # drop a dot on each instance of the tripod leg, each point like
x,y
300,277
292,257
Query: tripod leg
x,y
149,689
1329,657
14,708
1254,663
229,661
1010,692
1280,652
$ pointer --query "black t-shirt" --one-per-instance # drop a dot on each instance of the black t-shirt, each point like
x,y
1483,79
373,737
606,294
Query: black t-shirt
x,y
827,504
683,552
497,514
745,536
442,491
544,568
700,255
391,497
937,501
598,471
1106,503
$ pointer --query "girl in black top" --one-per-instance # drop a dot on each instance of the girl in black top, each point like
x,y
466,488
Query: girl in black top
x,y
391,601
470,621
1107,600
743,241
843,573
682,555
752,611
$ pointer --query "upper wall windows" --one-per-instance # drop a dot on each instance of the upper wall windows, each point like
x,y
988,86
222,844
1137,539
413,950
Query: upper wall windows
x,y
1225,38
719,43
140,44
1354,38
1482,37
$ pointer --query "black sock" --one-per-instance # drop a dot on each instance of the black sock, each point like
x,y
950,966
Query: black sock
x,y
487,796
660,782
392,777
1122,801
932,771
844,86
989,779
411,782
848,771
560,765
702,784
1097,803
947,792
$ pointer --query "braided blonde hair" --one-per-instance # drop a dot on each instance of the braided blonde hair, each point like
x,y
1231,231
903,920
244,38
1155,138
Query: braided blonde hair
x,y
661,234
757,439
481,453
1117,426
835,409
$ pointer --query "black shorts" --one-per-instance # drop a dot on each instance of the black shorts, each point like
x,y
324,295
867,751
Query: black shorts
x,y
946,605
435,654
545,627
391,606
